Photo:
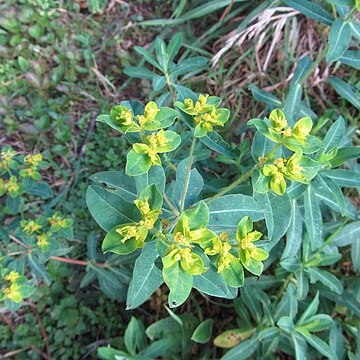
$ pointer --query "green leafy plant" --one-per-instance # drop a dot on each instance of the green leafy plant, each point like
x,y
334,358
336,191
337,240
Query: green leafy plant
x,y
178,222
30,240
170,337
173,74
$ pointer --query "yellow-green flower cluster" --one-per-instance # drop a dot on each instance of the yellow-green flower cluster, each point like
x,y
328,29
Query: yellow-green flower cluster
x,y
138,231
157,143
7,155
281,169
30,227
145,152
293,137
12,165
33,163
244,252
44,230
280,130
125,238
57,222
11,186
128,122
181,251
12,289
228,257
250,255
205,113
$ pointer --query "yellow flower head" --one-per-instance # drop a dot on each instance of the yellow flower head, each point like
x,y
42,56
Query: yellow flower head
x,y
123,116
12,293
29,172
302,129
246,236
133,231
225,258
7,155
33,160
280,164
179,238
143,206
13,276
151,110
278,120
215,247
189,261
224,236
294,169
57,221
13,185
189,104
30,226
43,241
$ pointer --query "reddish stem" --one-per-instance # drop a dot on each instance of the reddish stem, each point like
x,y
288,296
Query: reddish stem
x,y
76,262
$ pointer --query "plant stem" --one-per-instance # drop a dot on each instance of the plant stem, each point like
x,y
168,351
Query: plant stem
x,y
283,288
77,262
244,177
12,237
171,206
169,85
272,151
187,175
233,185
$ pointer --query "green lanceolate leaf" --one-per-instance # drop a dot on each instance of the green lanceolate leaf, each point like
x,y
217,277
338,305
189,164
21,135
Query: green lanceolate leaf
x,y
215,142
312,10
38,268
352,58
174,46
300,345
339,39
293,233
179,282
334,135
139,72
344,154
318,322
349,234
276,210
345,90
242,351
146,277
318,344
327,279
310,310
135,337
213,283
313,218
344,178
265,97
